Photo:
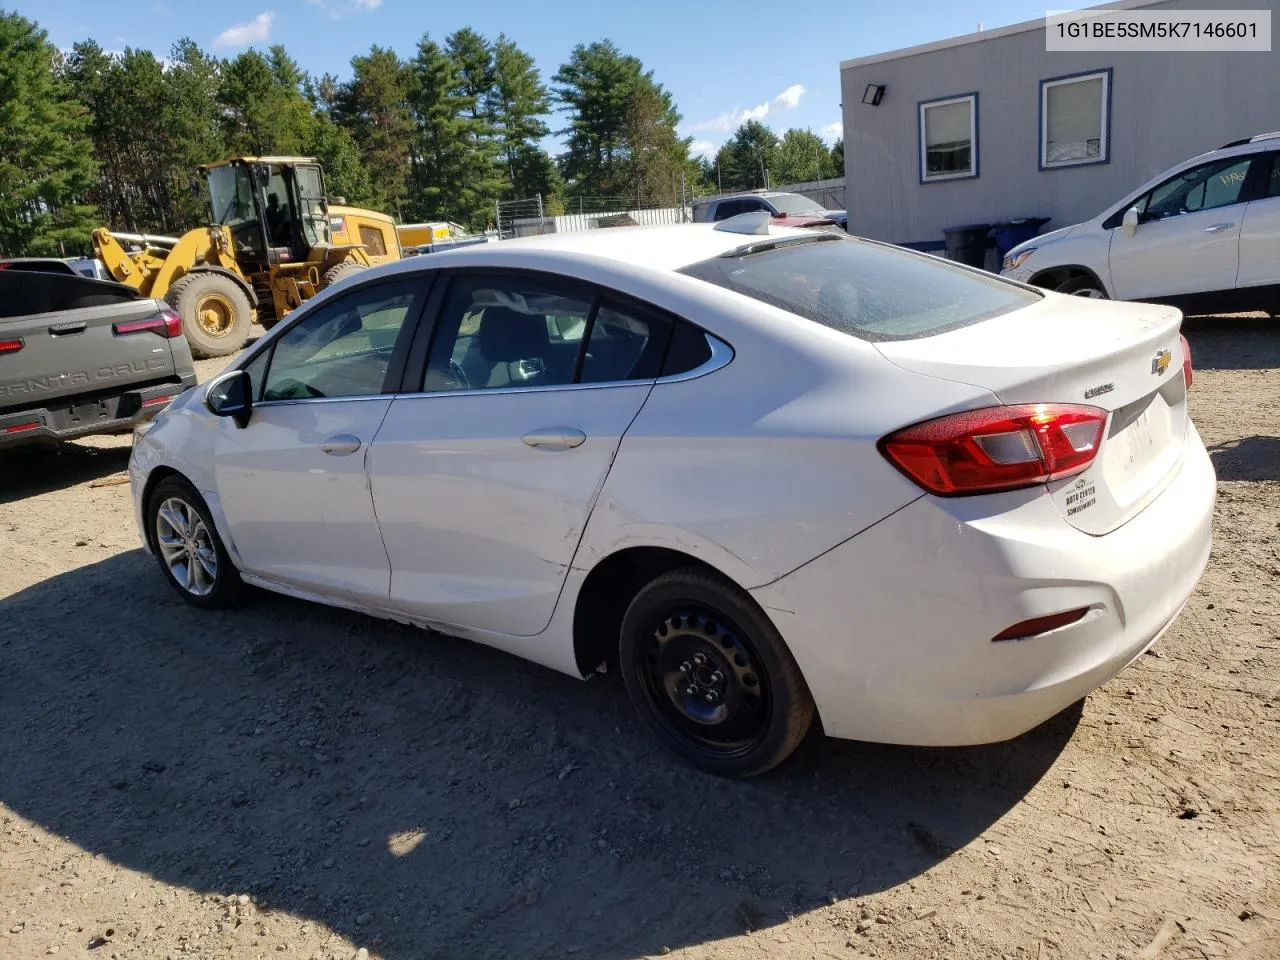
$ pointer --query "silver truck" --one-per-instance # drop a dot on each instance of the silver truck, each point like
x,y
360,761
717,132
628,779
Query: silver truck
x,y
80,356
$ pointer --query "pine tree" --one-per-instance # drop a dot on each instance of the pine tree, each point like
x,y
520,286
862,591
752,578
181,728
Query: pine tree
x,y
46,156
440,113
374,107
520,101
606,93
745,158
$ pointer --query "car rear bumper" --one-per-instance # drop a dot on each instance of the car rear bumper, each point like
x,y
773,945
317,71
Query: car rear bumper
x,y
78,417
893,629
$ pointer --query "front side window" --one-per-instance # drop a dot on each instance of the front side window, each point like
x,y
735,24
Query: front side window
x,y
729,208
1218,183
231,198
1074,121
949,138
343,348
868,290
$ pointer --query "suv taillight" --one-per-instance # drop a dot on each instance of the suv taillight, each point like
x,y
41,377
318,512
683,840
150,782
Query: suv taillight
x,y
165,322
997,448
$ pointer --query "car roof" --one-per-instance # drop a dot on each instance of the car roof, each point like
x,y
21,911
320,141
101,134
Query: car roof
x,y
666,248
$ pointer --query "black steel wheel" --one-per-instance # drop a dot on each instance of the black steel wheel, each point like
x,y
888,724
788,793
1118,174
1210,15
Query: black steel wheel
x,y
710,675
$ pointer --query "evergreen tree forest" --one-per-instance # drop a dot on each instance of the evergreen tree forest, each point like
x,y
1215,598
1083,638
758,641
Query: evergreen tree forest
x,y
90,137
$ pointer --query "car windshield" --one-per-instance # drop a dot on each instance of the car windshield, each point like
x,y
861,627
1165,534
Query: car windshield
x,y
793,203
868,290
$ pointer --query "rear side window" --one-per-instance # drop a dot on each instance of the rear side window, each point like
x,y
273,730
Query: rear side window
x,y
867,290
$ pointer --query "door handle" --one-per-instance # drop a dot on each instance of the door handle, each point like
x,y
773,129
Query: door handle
x,y
555,438
341,445
1218,226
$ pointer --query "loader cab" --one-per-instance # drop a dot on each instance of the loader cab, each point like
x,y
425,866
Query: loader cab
x,y
275,208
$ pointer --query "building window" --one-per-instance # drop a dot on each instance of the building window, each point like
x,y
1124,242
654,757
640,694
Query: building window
x,y
1075,120
949,138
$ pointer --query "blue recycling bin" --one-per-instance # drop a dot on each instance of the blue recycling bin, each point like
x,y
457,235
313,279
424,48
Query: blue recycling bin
x,y
1009,233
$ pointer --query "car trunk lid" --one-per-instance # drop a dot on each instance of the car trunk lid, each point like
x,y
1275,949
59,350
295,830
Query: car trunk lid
x,y
1124,358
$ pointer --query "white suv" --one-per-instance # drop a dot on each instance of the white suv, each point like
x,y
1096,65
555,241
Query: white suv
x,y
1203,235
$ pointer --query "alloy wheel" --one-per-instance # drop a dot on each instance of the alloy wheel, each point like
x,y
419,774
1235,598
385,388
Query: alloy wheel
x,y
186,546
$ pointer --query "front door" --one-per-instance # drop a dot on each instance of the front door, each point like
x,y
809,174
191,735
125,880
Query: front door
x,y
1188,235
484,481
292,483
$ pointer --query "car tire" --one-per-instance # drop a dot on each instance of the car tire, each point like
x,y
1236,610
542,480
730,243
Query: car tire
x,y
188,548
216,314
1083,287
711,676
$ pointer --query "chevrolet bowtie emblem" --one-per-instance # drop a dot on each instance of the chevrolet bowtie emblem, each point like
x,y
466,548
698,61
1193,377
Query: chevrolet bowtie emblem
x,y
1160,362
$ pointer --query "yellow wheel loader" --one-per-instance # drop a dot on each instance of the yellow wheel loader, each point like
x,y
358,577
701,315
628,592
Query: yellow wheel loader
x,y
274,240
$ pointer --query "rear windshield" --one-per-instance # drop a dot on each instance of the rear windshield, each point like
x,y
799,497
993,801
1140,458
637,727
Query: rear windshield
x,y
868,290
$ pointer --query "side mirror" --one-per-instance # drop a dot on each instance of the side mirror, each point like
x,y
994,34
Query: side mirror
x,y
260,173
231,395
1130,221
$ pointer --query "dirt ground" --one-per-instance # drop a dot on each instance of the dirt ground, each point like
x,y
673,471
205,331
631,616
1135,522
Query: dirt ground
x,y
290,781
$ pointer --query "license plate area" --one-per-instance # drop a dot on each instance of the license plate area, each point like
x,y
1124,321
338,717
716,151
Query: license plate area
x,y
1144,442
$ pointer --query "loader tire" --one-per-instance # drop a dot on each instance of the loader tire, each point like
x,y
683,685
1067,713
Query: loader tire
x,y
215,313
339,271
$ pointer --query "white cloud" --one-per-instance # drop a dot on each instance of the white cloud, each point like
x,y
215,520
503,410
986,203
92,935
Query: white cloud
x,y
246,34
702,148
788,99
833,131
340,9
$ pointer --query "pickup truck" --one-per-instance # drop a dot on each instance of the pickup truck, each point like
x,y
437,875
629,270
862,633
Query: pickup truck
x,y
80,356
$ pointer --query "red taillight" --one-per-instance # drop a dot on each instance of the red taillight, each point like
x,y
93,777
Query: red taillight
x,y
997,448
152,401
1186,359
166,323
19,427
11,346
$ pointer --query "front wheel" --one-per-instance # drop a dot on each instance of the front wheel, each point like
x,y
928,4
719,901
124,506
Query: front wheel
x,y
711,677
1083,287
190,552
215,312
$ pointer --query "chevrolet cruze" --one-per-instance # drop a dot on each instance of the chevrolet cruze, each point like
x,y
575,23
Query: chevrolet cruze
x,y
781,479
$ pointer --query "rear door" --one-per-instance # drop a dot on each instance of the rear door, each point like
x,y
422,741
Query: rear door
x,y
1260,231
484,476
1188,236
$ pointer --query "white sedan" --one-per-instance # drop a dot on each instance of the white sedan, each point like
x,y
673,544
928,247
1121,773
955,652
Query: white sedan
x,y
775,476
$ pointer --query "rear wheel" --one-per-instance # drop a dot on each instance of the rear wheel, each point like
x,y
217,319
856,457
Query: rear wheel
x,y
188,547
340,271
1083,287
216,313
711,677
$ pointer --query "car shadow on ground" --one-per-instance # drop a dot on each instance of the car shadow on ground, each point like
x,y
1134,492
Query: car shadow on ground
x,y
460,802
1249,458
1239,342
33,470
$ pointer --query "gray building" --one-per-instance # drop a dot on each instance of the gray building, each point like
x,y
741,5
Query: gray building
x,y
991,126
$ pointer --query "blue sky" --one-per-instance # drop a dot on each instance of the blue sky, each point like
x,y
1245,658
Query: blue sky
x,y
777,61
